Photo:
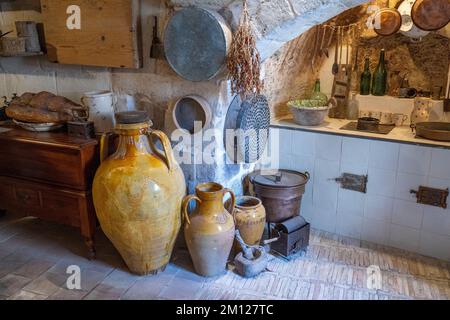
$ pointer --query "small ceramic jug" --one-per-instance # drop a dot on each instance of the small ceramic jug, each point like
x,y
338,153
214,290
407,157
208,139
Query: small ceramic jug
x,y
209,231
100,105
250,219
421,111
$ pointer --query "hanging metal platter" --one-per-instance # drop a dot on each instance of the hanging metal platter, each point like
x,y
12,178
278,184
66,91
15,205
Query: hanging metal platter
x,y
196,43
246,129
431,15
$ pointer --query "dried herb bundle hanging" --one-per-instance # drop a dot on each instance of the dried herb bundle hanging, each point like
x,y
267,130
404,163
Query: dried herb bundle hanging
x,y
244,61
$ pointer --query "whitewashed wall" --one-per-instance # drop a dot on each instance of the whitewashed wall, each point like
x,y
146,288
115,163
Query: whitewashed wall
x,y
388,214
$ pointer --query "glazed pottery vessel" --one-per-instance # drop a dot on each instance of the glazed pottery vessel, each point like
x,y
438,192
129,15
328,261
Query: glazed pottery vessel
x,y
250,219
209,231
138,193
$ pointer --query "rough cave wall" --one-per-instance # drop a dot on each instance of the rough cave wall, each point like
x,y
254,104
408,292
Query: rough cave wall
x,y
156,85
290,74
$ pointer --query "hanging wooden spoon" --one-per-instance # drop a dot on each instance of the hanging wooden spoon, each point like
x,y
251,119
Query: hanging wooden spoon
x,y
322,42
335,69
341,47
347,59
330,39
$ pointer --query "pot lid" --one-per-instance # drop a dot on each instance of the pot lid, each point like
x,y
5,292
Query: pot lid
x,y
132,117
280,179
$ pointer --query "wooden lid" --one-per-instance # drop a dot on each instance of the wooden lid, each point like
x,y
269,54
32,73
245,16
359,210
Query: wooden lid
x,y
390,22
431,15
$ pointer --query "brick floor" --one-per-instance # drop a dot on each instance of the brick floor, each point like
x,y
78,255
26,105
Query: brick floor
x,y
34,256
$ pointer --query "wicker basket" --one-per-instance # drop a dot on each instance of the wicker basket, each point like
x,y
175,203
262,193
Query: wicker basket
x,y
12,46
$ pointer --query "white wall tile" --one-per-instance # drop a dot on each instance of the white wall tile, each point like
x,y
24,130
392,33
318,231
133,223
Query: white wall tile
x,y
325,189
414,159
440,163
351,202
355,150
326,171
325,196
354,168
328,147
384,155
436,220
376,231
324,220
285,142
378,208
349,225
304,143
435,245
287,162
438,183
303,163
381,182
404,238
307,211
407,182
408,214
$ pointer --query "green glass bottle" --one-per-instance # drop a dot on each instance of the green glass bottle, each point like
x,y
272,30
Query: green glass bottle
x,y
366,79
380,77
319,96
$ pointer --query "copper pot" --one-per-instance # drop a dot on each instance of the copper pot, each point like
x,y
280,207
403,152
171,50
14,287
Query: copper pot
x,y
280,193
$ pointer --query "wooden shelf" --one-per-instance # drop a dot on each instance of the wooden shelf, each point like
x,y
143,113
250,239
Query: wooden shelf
x,y
25,54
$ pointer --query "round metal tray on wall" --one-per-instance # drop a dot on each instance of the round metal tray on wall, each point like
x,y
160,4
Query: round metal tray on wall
x,y
249,120
390,21
408,27
431,15
196,43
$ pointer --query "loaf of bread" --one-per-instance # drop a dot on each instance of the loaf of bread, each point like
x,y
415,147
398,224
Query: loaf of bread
x,y
43,107
40,100
26,113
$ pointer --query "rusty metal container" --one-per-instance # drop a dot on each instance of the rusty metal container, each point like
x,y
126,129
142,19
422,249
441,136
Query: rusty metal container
x,y
293,236
280,193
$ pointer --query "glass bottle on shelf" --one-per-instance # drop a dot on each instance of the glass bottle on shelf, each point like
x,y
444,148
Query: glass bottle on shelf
x,y
353,108
317,95
366,79
380,77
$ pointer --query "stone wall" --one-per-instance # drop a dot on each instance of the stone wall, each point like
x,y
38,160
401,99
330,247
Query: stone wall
x,y
289,73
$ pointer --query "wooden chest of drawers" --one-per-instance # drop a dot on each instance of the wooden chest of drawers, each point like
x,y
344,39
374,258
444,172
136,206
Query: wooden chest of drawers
x,y
49,175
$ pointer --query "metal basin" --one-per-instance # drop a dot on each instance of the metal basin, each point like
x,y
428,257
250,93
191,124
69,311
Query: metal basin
x,y
439,131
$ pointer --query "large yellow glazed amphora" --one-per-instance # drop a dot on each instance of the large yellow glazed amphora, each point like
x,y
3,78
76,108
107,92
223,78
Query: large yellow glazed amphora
x,y
138,193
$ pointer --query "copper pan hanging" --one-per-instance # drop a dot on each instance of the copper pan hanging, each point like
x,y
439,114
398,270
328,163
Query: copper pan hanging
x,y
431,15
387,21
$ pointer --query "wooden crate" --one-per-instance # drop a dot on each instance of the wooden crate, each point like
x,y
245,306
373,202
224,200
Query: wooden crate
x,y
108,33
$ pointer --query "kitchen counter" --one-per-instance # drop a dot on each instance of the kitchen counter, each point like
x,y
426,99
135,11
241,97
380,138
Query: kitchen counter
x,y
332,126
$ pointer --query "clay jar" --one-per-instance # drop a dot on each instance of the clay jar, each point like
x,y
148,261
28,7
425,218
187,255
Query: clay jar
x,y
209,231
138,193
250,219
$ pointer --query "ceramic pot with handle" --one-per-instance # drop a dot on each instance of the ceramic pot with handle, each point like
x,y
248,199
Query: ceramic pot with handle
x,y
250,219
137,195
209,231
100,105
